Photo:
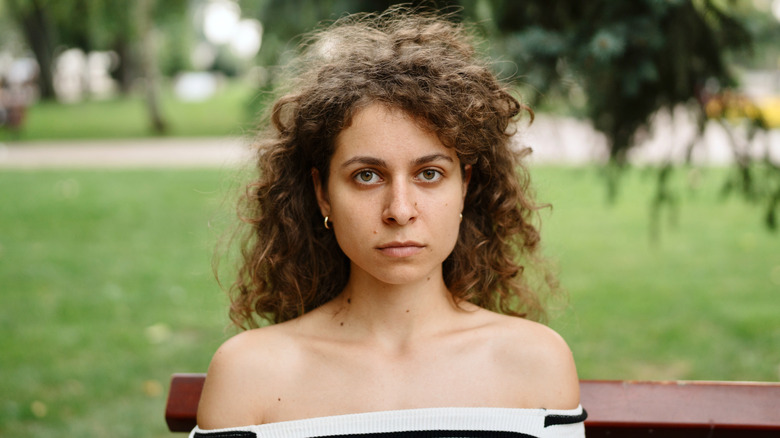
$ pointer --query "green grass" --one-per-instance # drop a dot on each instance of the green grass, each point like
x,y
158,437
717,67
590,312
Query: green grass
x,y
702,301
227,113
107,289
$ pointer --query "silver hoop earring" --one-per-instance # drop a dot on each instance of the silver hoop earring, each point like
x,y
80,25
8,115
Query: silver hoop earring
x,y
327,227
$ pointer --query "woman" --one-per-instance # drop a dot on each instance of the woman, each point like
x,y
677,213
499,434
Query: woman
x,y
388,224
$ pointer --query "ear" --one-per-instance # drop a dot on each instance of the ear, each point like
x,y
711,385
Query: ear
x,y
466,179
321,192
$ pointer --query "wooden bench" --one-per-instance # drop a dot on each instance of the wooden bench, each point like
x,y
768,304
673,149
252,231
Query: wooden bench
x,y
615,408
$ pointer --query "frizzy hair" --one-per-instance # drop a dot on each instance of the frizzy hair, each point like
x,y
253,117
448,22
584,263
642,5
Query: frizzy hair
x,y
424,64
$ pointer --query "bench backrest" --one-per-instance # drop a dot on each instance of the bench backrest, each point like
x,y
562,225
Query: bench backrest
x,y
615,408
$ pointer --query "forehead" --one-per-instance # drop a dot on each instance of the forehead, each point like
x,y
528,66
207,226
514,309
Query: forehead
x,y
380,130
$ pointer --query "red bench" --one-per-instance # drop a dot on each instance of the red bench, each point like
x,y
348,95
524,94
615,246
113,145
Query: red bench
x,y
615,408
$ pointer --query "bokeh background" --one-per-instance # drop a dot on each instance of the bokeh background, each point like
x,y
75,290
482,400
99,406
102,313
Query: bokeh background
x,y
123,126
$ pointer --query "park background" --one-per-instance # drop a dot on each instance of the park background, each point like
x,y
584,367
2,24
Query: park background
x,y
656,142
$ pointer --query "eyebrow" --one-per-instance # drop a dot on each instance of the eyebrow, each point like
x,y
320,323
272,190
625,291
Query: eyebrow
x,y
372,161
368,161
433,157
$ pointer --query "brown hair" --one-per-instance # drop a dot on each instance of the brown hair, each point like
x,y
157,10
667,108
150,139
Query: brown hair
x,y
425,65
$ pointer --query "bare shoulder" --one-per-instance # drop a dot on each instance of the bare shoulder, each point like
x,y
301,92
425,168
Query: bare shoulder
x,y
538,359
242,370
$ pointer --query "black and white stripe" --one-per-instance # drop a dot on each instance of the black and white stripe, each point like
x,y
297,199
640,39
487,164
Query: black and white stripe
x,y
421,423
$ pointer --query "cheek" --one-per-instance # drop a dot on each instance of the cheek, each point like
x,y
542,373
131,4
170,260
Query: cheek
x,y
446,204
443,216
344,207
353,218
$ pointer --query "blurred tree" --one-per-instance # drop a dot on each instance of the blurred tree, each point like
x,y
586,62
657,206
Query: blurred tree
x,y
631,60
34,17
49,25
149,65
127,27
764,27
284,20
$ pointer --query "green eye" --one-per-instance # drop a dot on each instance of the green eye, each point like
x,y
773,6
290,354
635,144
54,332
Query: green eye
x,y
430,174
366,176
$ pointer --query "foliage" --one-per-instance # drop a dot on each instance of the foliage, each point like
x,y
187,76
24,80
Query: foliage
x,y
630,59
91,25
764,29
625,62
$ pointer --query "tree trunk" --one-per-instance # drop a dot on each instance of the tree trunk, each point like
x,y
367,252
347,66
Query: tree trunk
x,y
125,72
149,65
39,33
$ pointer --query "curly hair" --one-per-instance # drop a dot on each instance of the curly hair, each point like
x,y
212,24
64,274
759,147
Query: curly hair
x,y
425,65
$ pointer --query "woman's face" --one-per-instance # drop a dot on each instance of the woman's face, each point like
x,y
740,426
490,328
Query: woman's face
x,y
394,197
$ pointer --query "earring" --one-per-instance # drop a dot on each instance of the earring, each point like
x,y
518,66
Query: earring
x,y
461,217
327,227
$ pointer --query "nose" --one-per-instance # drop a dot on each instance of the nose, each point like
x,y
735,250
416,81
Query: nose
x,y
400,206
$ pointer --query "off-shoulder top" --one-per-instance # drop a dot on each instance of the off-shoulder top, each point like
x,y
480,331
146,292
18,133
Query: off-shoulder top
x,y
427,422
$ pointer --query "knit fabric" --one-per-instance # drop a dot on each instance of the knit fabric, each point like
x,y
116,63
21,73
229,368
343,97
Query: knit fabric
x,y
428,423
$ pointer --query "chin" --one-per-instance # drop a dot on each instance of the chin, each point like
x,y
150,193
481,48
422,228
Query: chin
x,y
405,275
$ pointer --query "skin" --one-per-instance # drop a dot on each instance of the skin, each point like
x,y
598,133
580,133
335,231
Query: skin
x,y
394,338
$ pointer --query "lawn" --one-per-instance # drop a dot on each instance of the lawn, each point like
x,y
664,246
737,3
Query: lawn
x,y
702,301
107,289
228,112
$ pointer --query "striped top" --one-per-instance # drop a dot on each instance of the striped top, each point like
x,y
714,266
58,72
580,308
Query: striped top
x,y
427,422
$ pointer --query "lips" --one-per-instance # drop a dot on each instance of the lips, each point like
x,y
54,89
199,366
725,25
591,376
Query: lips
x,y
401,249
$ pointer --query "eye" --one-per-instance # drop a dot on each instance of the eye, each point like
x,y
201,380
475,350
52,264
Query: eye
x,y
367,177
430,175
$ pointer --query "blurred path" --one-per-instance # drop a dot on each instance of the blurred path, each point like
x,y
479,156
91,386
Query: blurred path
x,y
555,140
125,153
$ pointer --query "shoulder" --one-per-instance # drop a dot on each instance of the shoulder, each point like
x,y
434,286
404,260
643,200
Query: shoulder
x,y
242,365
538,359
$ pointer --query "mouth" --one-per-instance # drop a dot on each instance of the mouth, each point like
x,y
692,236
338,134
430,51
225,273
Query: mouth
x,y
401,249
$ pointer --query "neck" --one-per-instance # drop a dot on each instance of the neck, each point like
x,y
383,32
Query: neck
x,y
395,314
